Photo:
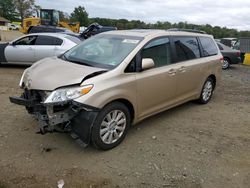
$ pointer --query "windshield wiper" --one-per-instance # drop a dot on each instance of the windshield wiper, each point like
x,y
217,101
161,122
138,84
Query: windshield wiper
x,y
80,62
63,57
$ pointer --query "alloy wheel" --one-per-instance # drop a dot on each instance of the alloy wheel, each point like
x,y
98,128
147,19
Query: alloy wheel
x,y
225,64
113,126
207,90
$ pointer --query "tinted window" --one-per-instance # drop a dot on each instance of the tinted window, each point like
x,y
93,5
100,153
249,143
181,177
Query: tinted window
x,y
208,46
132,66
186,48
30,40
159,51
47,40
58,42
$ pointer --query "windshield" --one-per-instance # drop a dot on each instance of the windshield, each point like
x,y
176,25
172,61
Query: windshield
x,y
103,50
236,46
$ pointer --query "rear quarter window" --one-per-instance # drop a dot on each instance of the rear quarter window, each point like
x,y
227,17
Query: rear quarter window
x,y
48,40
209,47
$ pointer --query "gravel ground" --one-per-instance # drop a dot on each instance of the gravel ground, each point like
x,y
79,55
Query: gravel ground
x,y
190,146
7,36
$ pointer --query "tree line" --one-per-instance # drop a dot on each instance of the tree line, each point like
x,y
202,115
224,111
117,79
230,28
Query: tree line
x,y
216,31
16,10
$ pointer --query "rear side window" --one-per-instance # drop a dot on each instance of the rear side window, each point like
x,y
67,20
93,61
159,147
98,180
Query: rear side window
x,y
159,51
208,46
29,40
48,40
187,48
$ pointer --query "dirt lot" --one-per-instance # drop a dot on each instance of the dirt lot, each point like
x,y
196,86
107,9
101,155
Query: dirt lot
x,y
6,36
191,146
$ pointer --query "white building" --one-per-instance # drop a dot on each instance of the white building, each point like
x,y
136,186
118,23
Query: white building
x,y
4,23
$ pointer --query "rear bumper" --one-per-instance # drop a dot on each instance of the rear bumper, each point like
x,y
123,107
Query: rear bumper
x,y
235,60
61,117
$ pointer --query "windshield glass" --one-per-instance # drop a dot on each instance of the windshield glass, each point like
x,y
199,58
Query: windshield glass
x,y
103,50
236,46
55,17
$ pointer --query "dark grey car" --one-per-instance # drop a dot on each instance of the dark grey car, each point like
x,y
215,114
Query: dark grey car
x,y
230,55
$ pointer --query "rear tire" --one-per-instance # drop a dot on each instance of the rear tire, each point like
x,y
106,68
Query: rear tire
x,y
226,63
111,126
207,91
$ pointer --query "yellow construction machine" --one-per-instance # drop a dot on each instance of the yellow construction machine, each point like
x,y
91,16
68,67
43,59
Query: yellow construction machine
x,y
47,20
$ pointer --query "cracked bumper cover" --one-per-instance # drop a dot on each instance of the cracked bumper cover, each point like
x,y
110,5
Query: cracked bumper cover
x,y
78,116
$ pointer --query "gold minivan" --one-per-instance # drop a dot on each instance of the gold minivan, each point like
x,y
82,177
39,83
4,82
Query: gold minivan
x,y
99,88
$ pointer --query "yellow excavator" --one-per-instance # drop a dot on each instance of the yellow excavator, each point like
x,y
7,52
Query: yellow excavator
x,y
47,20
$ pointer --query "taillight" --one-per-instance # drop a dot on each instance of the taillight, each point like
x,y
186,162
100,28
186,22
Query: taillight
x,y
238,54
222,60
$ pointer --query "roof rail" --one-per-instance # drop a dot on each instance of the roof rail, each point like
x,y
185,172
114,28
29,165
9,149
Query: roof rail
x,y
187,30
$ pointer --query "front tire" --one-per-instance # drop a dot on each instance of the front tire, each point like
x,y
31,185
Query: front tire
x,y
111,126
207,91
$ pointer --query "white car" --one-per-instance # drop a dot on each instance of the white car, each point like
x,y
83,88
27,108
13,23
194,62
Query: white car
x,y
13,26
33,47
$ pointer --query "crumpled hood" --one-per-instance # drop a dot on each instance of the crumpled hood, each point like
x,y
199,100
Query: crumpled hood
x,y
51,73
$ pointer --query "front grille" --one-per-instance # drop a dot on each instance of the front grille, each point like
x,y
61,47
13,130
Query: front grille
x,y
59,108
37,95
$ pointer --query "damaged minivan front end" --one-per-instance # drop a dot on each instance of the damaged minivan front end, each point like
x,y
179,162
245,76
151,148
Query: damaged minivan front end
x,y
55,109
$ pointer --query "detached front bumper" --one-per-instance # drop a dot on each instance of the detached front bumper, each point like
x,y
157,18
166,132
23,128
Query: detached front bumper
x,y
69,116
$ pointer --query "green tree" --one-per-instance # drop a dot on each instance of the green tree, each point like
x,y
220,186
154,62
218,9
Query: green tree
x,y
25,8
64,17
7,9
218,32
80,15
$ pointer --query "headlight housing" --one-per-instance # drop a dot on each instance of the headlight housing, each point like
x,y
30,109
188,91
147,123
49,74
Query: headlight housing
x,y
67,94
22,78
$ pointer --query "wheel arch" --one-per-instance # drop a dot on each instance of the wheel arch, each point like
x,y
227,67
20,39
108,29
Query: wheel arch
x,y
213,77
127,103
228,58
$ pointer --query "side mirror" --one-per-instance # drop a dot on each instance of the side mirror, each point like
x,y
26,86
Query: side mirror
x,y
147,63
11,43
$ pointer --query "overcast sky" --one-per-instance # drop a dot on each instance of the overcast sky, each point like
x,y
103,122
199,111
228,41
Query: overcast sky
x,y
232,14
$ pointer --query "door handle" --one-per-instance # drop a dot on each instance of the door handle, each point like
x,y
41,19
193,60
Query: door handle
x,y
30,48
172,72
182,69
